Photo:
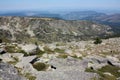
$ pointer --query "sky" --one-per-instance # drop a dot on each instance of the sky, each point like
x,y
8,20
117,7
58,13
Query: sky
x,y
7,5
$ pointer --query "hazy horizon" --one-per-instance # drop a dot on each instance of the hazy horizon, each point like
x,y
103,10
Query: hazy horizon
x,y
52,5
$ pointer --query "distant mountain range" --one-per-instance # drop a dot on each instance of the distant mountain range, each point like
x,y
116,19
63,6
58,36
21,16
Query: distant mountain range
x,y
31,13
111,20
67,20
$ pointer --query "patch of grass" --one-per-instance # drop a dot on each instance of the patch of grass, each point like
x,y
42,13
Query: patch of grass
x,y
19,70
108,68
60,44
59,50
32,40
48,50
110,53
30,77
107,77
23,52
40,66
5,40
63,56
76,57
94,78
104,77
111,69
15,49
27,75
89,70
15,61
12,62
10,49
39,52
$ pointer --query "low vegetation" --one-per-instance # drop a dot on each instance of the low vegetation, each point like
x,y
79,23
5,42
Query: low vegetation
x,y
59,50
14,49
37,52
97,41
63,56
48,50
40,66
15,61
30,77
113,70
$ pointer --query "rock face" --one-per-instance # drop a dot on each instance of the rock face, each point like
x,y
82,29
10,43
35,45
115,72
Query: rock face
x,y
26,29
8,72
66,69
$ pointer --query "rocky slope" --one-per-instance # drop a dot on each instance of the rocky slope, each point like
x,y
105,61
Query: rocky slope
x,y
81,60
29,29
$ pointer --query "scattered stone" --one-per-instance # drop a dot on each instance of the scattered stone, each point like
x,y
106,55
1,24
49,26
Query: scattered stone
x,y
28,47
108,73
6,57
25,61
2,51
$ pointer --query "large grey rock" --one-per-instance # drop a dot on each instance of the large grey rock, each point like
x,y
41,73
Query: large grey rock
x,y
2,51
65,75
8,72
28,48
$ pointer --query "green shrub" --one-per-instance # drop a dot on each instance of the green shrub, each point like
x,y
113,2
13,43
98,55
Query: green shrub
x,y
39,66
97,41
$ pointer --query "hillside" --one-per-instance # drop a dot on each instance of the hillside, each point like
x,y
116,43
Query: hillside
x,y
113,20
80,15
30,29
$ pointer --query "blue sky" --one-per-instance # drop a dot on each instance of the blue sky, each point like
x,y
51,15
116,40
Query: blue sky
x,y
58,4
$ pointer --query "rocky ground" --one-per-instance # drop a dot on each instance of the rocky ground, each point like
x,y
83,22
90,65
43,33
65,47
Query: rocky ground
x,y
81,60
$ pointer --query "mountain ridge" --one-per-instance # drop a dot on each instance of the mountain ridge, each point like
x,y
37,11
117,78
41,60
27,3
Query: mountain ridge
x,y
50,29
